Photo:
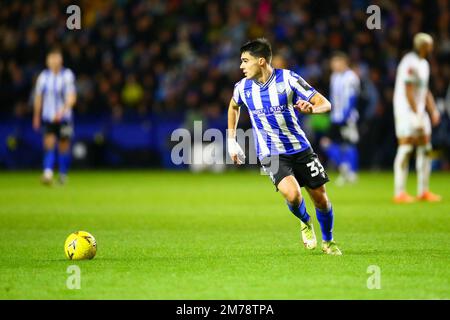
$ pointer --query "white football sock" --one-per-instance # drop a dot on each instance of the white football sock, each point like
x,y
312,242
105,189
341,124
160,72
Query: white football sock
x,y
401,164
423,168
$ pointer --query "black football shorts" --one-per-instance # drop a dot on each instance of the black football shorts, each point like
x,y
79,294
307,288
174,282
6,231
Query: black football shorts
x,y
343,133
63,130
305,166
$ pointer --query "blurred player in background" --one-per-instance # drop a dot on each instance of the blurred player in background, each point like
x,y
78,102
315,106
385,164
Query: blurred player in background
x,y
413,106
272,97
343,136
55,96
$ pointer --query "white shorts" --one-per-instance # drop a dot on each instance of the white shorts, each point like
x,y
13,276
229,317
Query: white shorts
x,y
409,125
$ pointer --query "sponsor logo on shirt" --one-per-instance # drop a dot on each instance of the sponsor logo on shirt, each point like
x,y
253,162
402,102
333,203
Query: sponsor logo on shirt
x,y
270,110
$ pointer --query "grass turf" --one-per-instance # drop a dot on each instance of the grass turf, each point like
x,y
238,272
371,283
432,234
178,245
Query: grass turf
x,y
176,235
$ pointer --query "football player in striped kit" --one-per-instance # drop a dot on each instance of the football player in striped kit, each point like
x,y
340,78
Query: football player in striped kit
x,y
273,98
54,98
344,91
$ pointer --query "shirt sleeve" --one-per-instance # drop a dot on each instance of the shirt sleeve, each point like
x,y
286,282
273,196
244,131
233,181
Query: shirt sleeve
x,y
40,84
69,83
354,86
302,90
411,75
237,95
410,71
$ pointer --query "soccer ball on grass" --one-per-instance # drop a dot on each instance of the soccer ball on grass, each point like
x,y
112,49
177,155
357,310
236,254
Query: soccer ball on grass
x,y
80,245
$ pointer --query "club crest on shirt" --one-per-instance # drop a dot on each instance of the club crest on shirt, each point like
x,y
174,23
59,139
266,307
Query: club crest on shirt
x,y
248,93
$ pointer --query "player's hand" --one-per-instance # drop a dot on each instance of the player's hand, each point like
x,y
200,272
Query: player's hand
x,y
435,118
417,122
235,151
58,116
304,107
36,123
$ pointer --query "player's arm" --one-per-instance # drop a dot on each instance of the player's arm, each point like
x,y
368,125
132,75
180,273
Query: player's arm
x,y
71,99
432,109
316,104
409,89
38,101
235,151
37,107
233,118
70,96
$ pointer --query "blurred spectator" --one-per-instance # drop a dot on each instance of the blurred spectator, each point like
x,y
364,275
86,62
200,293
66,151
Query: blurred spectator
x,y
132,92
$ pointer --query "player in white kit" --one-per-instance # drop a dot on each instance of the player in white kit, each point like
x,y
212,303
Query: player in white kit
x,y
415,112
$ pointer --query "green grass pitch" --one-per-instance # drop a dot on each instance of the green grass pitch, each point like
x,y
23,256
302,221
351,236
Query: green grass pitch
x,y
176,235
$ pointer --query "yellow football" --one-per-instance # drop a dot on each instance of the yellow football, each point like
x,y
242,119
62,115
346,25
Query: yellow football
x,y
80,245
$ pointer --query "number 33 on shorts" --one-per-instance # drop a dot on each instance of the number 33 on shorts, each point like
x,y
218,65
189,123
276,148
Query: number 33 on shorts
x,y
316,167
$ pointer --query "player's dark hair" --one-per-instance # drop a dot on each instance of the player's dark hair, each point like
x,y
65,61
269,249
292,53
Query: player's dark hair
x,y
259,48
55,50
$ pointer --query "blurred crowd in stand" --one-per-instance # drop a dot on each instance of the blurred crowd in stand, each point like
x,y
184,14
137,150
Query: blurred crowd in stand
x,y
174,59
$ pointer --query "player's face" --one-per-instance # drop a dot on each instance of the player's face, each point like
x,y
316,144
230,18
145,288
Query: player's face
x,y
337,64
429,48
54,61
425,49
250,65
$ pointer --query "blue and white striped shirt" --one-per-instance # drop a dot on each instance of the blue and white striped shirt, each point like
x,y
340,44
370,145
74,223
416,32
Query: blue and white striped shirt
x,y
54,89
276,126
344,90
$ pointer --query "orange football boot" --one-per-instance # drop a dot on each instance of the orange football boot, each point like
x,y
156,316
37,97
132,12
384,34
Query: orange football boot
x,y
403,197
429,196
